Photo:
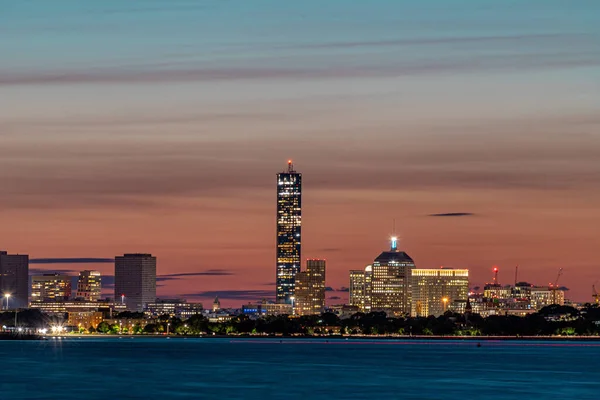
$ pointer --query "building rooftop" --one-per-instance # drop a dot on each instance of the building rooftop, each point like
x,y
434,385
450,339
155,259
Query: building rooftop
x,y
393,255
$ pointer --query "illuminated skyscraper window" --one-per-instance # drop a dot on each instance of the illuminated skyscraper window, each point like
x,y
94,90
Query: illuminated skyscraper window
x,y
289,235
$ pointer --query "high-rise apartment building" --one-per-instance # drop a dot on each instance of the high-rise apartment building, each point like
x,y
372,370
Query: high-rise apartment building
x,y
89,285
14,279
289,234
391,282
360,288
135,280
435,291
309,298
50,287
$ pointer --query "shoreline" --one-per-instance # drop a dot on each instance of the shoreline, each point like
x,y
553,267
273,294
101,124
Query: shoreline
x,y
336,337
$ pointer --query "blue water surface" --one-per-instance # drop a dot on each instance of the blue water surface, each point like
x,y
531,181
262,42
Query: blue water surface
x,y
150,368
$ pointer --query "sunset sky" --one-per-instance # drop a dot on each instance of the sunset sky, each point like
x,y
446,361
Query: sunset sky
x,y
158,126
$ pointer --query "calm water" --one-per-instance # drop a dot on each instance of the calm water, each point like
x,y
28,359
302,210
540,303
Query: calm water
x,y
317,369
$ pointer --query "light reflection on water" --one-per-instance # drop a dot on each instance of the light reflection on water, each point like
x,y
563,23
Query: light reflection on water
x,y
146,368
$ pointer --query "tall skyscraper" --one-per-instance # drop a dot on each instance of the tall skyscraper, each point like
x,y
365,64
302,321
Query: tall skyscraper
x,y
289,221
135,280
360,288
309,298
14,279
50,287
391,284
435,291
89,285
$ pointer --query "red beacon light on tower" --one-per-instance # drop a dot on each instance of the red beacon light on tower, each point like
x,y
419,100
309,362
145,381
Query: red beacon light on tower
x,y
495,275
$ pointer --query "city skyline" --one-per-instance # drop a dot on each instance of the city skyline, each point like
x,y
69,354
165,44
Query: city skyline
x,y
336,295
292,200
132,130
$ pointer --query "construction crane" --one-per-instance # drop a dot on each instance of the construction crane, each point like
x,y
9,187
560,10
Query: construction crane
x,y
595,294
554,287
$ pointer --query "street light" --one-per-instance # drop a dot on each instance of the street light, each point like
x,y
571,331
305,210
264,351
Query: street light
x,y
7,296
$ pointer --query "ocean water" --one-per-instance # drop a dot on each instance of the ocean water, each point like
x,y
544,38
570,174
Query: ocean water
x,y
151,368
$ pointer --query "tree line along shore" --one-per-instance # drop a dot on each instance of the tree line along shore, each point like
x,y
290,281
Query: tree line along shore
x,y
550,321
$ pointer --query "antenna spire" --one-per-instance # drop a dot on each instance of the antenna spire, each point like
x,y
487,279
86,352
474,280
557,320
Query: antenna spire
x,y
290,166
394,238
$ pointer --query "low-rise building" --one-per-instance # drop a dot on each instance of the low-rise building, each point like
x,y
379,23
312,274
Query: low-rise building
x,y
174,308
265,308
61,307
218,317
344,310
85,319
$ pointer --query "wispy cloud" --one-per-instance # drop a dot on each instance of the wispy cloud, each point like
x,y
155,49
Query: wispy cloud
x,y
210,272
40,271
452,214
249,295
534,60
536,39
88,260
59,177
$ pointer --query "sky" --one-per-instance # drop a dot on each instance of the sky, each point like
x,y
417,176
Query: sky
x,y
159,126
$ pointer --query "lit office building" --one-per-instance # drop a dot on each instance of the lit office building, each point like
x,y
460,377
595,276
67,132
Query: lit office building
x,y
89,285
174,308
289,215
391,282
435,291
50,288
360,288
545,296
14,280
310,289
497,291
135,280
